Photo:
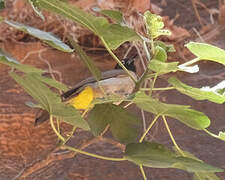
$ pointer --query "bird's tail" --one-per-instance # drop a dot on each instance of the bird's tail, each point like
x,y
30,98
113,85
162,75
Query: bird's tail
x,y
42,116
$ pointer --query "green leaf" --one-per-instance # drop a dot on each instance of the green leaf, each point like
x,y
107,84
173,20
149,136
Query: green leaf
x,y
196,93
222,135
205,176
191,165
197,175
47,37
68,114
36,9
86,60
113,34
162,67
2,4
184,114
166,47
51,82
160,54
123,125
98,118
158,156
113,14
49,100
149,154
154,25
207,52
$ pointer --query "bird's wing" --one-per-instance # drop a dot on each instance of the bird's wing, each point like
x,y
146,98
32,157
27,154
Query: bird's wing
x,y
79,86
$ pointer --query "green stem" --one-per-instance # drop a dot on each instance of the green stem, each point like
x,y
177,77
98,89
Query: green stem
x,y
152,47
148,129
57,123
55,130
141,80
93,155
211,134
157,89
190,62
171,136
153,84
71,134
143,172
117,60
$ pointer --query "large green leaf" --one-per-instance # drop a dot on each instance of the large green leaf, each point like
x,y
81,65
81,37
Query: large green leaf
x,y
190,117
162,67
49,100
113,34
196,93
207,52
113,14
98,118
158,156
86,60
47,37
123,125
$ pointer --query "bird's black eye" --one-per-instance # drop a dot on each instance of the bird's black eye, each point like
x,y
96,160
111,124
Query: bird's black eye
x,y
122,61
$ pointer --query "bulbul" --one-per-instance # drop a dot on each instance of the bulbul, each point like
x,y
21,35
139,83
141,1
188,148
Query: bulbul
x,y
113,82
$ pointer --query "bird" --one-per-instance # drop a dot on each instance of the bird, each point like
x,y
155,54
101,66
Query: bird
x,y
112,82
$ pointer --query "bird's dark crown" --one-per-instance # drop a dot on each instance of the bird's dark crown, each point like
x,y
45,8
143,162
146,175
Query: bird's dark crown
x,y
128,63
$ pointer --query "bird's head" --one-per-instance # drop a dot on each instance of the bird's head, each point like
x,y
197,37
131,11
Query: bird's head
x,y
128,63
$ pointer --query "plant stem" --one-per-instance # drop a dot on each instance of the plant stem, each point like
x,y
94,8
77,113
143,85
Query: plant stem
x,y
171,136
71,134
153,84
149,127
143,172
157,89
54,129
93,155
117,60
152,47
190,62
211,134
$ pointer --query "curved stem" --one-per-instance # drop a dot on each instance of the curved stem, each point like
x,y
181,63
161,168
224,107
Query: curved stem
x,y
93,155
149,127
171,136
211,134
143,172
157,89
71,134
55,130
190,62
117,60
